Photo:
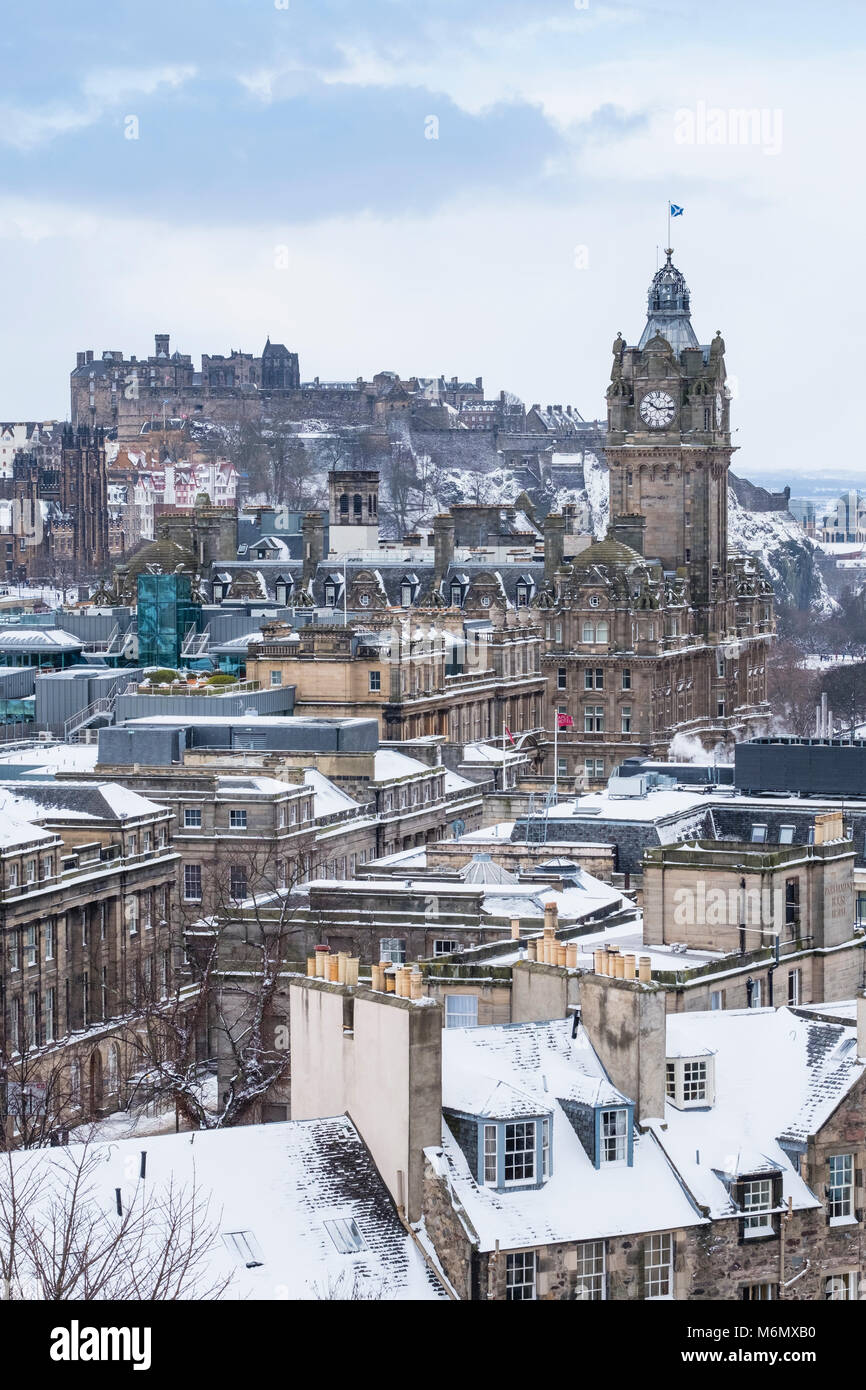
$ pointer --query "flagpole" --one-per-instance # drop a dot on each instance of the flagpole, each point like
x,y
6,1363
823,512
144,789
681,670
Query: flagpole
x,y
555,756
669,221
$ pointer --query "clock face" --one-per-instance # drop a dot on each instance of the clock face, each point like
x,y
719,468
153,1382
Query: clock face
x,y
720,404
657,409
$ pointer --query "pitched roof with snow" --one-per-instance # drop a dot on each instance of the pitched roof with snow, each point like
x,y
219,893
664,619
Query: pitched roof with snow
x,y
328,799
294,1191
60,801
536,1067
778,1078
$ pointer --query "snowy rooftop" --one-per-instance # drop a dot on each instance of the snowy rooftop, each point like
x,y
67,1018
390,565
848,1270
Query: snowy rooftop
x,y
328,799
390,764
33,639
497,900
647,808
455,783
530,1067
503,829
15,831
292,1192
489,753
61,801
48,758
777,1077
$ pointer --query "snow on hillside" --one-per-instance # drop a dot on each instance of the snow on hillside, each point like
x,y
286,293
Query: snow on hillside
x,y
499,488
785,551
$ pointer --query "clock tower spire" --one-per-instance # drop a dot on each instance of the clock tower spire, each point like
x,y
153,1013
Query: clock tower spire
x,y
668,443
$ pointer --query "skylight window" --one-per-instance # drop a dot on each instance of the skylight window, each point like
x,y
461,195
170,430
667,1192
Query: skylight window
x,y
245,1248
345,1235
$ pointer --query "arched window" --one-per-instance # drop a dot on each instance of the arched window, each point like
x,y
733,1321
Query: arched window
x,y
357,505
601,630
75,1083
588,632
344,505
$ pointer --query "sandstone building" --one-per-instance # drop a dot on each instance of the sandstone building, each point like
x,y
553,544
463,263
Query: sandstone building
x,y
657,630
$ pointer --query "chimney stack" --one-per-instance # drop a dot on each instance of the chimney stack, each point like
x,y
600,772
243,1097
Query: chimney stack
x,y
625,1023
861,1025
443,545
554,544
313,535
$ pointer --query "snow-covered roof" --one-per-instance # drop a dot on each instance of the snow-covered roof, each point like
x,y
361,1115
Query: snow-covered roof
x,y
15,831
46,758
482,869
488,753
61,801
283,1186
542,1065
389,765
455,783
40,639
328,799
778,1077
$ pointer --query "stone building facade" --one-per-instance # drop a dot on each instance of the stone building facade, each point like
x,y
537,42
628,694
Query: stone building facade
x,y
88,890
656,630
440,675
59,528
116,392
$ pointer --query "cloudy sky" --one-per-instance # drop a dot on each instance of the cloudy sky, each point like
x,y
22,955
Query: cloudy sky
x,y
440,186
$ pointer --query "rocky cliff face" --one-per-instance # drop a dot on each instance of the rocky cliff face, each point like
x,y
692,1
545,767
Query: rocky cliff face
x,y
760,524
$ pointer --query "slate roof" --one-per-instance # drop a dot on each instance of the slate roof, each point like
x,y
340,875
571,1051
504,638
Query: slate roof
x,y
534,1067
388,575
778,1079
285,1185
58,801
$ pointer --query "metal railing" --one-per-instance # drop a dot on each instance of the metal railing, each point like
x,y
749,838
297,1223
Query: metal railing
x,y
83,717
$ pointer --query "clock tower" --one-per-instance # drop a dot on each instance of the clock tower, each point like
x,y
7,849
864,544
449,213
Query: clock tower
x,y
669,447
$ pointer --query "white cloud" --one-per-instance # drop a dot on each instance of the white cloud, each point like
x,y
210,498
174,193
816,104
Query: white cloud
x,y
25,128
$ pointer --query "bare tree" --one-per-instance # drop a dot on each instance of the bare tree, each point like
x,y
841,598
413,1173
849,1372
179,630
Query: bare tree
x,y
791,690
230,1008
61,1238
41,1088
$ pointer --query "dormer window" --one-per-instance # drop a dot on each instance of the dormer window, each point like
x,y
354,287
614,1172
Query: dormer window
x,y
614,1135
506,1154
283,589
758,1199
330,594
456,595
525,587
689,1082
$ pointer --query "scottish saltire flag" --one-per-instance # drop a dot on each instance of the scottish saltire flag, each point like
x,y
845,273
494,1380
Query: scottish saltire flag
x,y
676,211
